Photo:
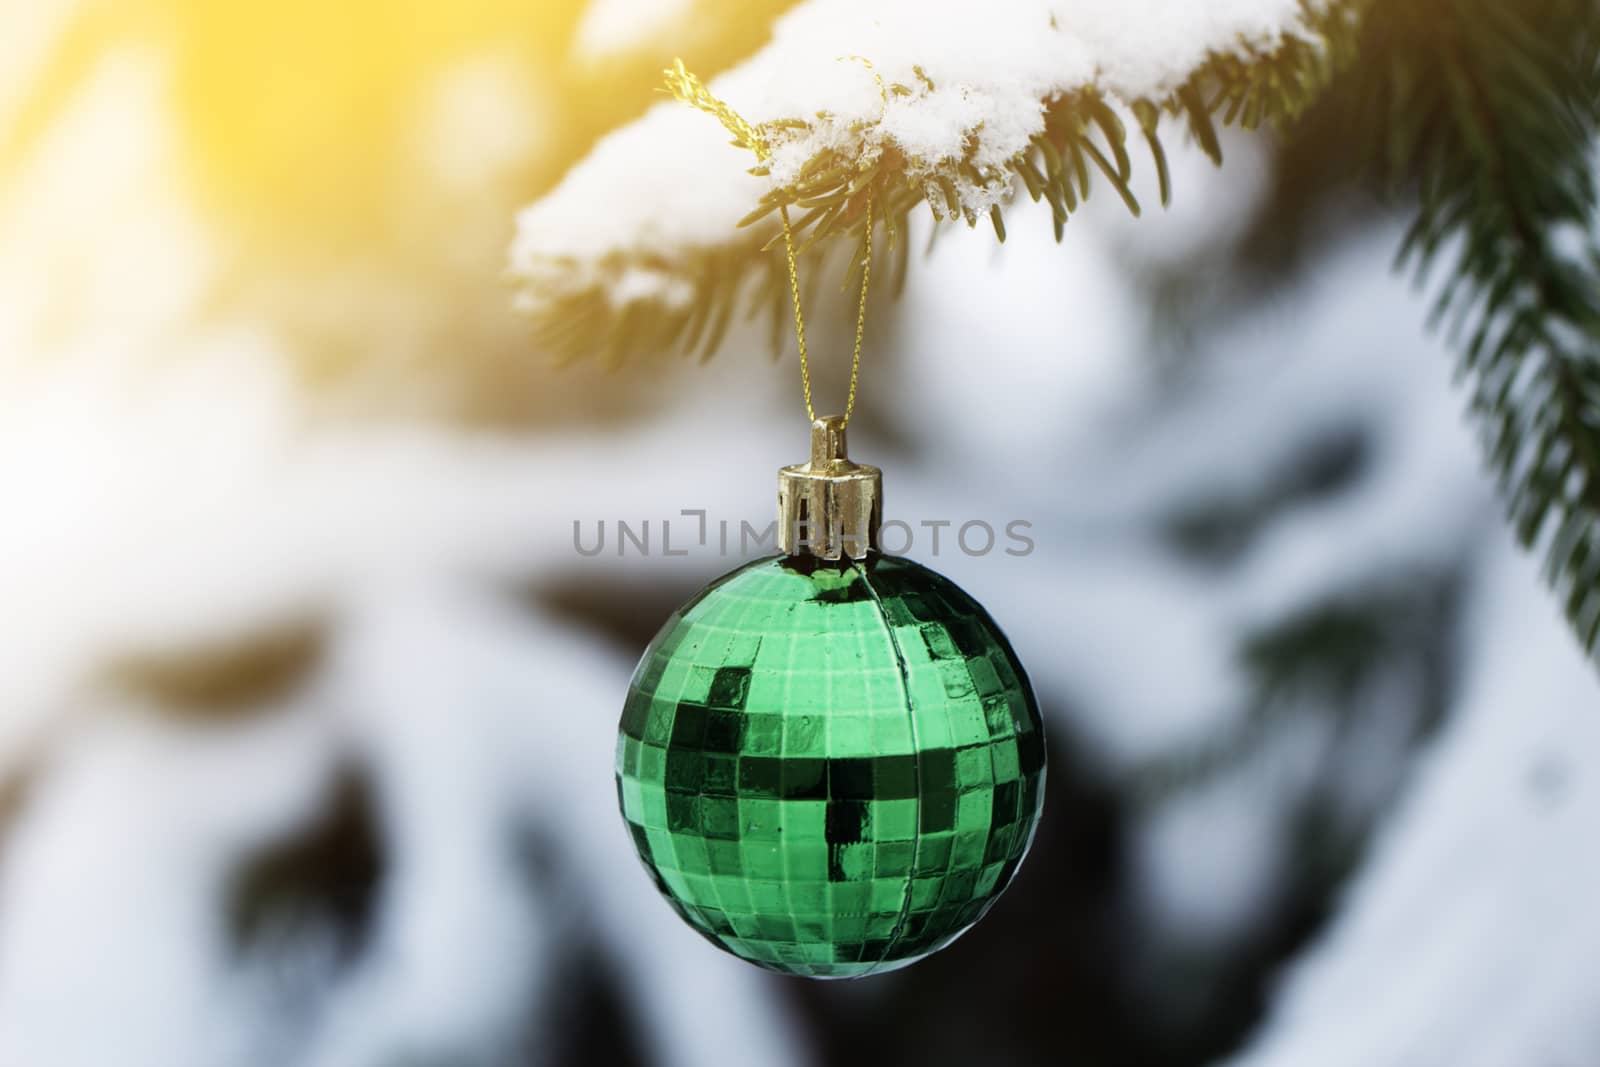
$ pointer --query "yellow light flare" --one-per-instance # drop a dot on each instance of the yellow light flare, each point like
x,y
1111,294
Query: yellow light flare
x,y
302,108
353,167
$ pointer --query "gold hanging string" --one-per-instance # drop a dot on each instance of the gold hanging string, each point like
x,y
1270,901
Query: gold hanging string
x,y
799,320
688,88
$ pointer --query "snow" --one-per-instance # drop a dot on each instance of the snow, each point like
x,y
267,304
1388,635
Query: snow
x,y
667,187
990,76
611,218
170,811
1472,932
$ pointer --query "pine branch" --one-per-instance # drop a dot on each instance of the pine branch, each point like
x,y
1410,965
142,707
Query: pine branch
x,y
574,304
1490,113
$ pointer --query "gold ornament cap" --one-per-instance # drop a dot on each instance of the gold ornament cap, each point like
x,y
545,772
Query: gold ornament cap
x,y
829,508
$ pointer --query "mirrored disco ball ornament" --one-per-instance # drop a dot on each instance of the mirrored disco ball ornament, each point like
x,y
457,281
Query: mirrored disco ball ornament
x,y
830,760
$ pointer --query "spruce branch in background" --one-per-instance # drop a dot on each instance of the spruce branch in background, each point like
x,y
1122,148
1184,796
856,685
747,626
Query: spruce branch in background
x,y
1488,113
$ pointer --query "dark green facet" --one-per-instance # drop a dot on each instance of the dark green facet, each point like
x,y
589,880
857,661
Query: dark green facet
x,y
831,769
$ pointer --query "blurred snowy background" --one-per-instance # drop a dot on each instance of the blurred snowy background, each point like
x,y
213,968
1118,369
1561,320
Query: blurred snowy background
x,y
307,702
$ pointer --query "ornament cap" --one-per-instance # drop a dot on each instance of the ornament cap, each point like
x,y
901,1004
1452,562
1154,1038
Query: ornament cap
x,y
829,508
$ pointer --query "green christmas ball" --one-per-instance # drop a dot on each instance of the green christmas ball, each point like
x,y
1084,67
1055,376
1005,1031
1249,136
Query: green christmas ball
x,y
831,769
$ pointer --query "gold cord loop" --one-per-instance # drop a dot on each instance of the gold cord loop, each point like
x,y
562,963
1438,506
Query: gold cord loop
x,y
688,88
800,323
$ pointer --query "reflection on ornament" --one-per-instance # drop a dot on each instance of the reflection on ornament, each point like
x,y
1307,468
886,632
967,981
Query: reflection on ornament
x,y
831,761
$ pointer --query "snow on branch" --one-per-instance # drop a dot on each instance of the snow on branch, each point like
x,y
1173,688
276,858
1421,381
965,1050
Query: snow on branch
x,y
653,240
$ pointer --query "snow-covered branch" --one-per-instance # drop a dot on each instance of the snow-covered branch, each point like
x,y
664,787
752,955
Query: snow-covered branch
x,y
650,241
